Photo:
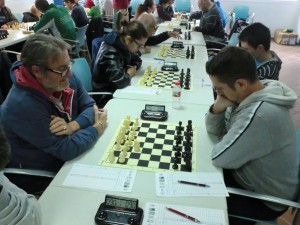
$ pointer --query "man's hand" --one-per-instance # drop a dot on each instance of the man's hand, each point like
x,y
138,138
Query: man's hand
x,y
147,49
221,104
100,119
174,35
59,126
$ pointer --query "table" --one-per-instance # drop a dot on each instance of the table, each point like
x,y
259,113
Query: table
x,y
71,205
14,37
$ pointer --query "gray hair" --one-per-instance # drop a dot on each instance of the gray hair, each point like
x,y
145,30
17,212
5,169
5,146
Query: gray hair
x,y
39,49
146,19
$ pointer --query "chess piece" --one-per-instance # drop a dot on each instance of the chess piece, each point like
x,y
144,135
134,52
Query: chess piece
x,y
136,122
118,145
190,26
136,146
111,156
185,36
121,158
125,149
175,166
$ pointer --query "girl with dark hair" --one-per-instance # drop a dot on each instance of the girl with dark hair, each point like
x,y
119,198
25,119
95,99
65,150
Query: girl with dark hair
x,y
117,59
162,11
148,6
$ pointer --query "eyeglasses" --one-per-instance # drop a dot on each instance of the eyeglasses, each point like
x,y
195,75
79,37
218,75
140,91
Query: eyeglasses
x,y
61,73
138,44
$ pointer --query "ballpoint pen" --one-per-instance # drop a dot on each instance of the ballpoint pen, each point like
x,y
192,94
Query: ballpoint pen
x,y
193,183
183,215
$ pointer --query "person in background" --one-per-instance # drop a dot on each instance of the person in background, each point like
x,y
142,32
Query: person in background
x,y
117,62
56,19
256,39
210,24
16,206
171,8
148,20
33,15
94,12
89,4
56,120
107,9
222,13
77,12
162,13
148,6
6,17
257,146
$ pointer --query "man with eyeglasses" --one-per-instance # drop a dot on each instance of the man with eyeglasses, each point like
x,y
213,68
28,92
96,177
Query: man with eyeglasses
x,y
48,116
149,22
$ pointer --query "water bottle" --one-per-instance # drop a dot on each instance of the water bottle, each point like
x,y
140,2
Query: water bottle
x,y
176,95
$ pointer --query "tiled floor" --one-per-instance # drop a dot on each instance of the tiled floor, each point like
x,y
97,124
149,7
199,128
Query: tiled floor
x,y
290,75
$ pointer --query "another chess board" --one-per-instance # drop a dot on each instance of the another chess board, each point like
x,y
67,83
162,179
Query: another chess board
x,y
173,53
157,141
164,79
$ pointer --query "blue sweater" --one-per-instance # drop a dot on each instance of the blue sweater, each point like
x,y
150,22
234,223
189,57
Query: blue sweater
x,y
25,116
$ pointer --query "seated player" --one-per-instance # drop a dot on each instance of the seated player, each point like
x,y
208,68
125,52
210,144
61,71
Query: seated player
x,y
149,22
117,62
77,12
258,149
55,119
56,20
16,206
162,12
33,15
107,8
148,6
6,17
171,8
89,4
210,24
256,39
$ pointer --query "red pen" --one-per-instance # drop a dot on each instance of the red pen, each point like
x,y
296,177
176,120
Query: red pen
x,y
183,215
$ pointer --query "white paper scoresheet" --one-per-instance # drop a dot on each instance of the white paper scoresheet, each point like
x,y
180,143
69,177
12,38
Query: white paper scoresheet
x,y
167,184
157,214
101,178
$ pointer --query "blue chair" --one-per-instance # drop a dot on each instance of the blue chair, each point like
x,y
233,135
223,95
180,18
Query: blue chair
x,y
241,12
294,204
182,6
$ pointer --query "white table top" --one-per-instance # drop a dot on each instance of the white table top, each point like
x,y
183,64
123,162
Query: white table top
x,y
14,37
71,205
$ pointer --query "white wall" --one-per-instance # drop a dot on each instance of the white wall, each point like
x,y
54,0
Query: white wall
x,y
277,14
20,6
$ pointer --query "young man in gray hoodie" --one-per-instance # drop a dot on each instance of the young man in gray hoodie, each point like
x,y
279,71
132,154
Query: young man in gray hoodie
x,y
257,149
16,206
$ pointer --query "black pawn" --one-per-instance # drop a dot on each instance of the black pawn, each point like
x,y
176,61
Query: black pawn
x,y
185,36
175,166
190,26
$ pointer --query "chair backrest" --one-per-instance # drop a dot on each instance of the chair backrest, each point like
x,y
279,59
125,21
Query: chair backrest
x,y
183,6
80,35
82,71
241,12
96,43
234,39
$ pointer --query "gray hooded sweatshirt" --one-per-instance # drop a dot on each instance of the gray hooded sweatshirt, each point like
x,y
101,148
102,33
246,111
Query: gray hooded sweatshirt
x,y
16,206
259,142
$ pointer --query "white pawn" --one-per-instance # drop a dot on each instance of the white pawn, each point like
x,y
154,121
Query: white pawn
x,y
118,145
130,139
136,122
137,147
125,149
122,158
111,156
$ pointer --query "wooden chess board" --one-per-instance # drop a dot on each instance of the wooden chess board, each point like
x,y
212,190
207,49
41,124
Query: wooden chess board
x,y
157,152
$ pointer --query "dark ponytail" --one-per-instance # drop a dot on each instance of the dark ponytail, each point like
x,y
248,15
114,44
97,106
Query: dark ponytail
x,y
135,29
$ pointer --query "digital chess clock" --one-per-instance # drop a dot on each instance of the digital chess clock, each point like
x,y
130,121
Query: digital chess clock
x,y
117,210
170,66
154,112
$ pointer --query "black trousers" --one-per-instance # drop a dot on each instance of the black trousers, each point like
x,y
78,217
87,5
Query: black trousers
x,y
245,206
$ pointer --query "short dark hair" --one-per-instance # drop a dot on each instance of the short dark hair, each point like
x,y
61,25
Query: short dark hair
x,y
42,5
256,34
4,150
232,63
135,29
163,2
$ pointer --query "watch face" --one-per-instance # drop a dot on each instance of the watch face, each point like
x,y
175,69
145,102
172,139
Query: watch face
x,y
155,108
170,64
121,203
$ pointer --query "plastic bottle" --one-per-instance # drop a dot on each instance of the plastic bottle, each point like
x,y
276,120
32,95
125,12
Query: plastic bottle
x,y
176,95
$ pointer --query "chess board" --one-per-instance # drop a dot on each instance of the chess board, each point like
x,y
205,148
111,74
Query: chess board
x,y
173,53
164,79
157,141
